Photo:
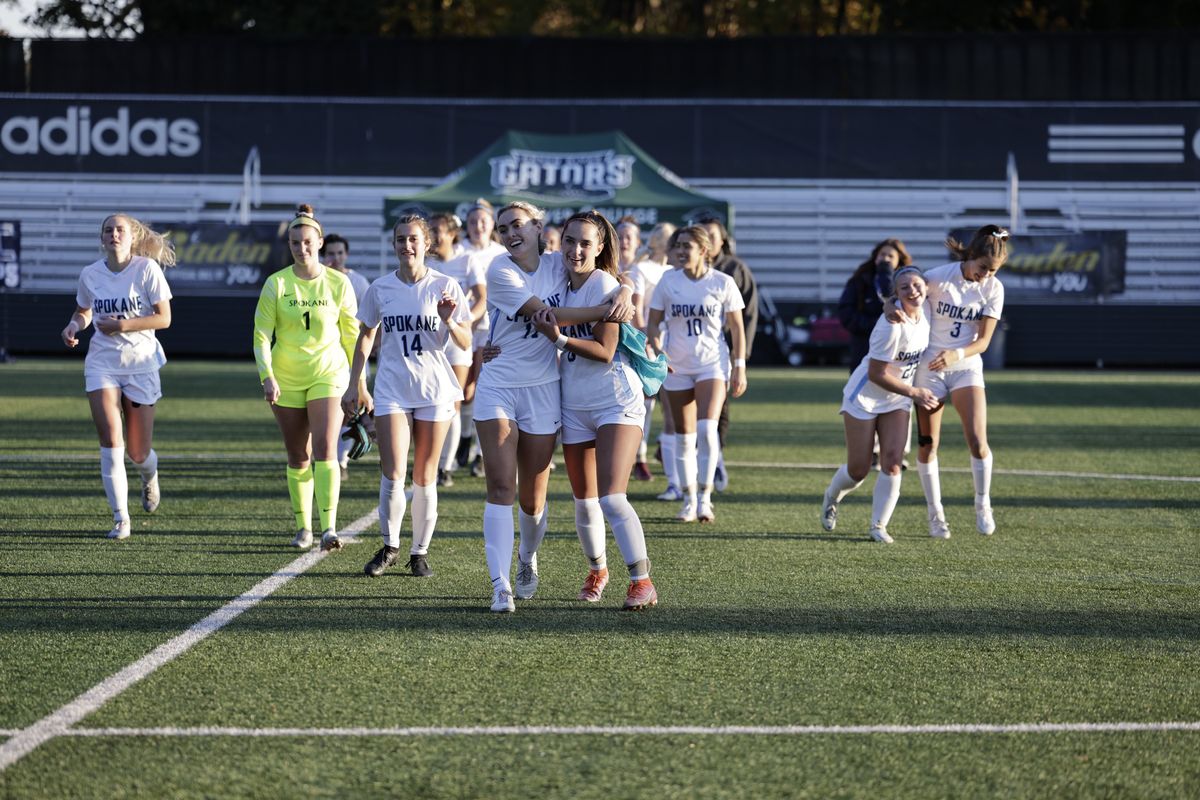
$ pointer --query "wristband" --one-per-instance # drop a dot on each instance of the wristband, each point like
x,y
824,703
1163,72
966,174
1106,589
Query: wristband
x,y
561,341
739,362
958,351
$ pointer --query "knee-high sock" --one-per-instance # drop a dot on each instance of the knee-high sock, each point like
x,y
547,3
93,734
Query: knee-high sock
x,y
931,482
533,530
842,484
642,448
670,466
710,450
981,472
627,530
887,492
327,486
498,541
424,517
300,489
148,468
450,446
391,510
589,524
116,483
685,462
343,450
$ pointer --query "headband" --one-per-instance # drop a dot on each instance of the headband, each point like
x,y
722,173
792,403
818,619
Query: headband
x,y
1000,234
910,268
306,219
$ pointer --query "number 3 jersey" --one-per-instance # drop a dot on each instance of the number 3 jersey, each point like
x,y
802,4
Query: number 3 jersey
x,y
954,306
313,325
900,346
130,293
412,370
694,312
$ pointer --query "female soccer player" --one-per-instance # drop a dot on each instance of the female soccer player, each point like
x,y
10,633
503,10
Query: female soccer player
x,y
418,309
696,302
517,408
309,310
965,303
602,411
647,276
876,401
127,295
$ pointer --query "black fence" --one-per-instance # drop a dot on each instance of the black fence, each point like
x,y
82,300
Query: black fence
x,y
1079,67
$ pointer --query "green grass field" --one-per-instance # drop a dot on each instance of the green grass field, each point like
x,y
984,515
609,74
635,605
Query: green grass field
x,y
1084,607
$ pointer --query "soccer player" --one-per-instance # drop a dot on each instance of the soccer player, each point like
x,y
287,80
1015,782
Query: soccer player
x,y
876,401
127,296
308,309
517,406
697,302
656,253
418,309
336,253
603,411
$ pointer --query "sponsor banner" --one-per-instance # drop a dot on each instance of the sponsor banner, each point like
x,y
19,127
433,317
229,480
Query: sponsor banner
x,y
219,260
802,139
1061,267
10,256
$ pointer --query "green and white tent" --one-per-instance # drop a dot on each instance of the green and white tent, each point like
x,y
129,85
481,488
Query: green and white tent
x,y
565,174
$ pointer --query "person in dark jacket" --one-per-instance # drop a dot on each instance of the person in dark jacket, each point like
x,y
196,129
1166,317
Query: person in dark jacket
x,y
861,303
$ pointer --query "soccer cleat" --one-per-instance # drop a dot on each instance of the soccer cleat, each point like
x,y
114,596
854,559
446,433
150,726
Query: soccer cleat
x,y
330,543
593,585
502,600
477,467
828,512
984,520
120,530
687,513
384,558
150,496
302,539
418,565
527,578
641,472
939,528
880,534
705,513
720,478
641,595
444,479
672,494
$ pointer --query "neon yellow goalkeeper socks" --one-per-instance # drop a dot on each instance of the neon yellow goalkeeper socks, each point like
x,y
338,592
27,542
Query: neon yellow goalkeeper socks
x,y
327,476
300,489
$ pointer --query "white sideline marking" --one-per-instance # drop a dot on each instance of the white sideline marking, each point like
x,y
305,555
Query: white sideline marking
x,y
652,730
59,722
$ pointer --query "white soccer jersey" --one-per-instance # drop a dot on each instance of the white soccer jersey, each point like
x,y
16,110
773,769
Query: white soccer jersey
x,y
955,305
526,357
468,268
359,283
694,312
645,276
412,369
900,345
588,384
130,293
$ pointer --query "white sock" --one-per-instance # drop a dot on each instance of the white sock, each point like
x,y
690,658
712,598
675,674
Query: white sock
x,y
931,482
116,484
842,484
627,530
450,446
887,492
589,524
710,450
533,530
981,471
644,445
685,463
670,467
148,468
424,517
391,510
344,446
498,541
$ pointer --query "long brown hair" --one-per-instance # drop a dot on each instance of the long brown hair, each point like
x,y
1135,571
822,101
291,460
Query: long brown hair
x,y
990,242
867,268
606,259
699,236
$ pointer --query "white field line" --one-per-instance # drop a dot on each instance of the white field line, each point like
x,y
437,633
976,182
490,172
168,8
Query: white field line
x,y
59,722
280,458
653,730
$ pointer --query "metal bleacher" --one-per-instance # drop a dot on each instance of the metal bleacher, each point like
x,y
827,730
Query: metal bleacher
x,y
802,238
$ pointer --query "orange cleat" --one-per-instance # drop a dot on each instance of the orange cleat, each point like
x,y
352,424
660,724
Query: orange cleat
x,y
641,595
593,585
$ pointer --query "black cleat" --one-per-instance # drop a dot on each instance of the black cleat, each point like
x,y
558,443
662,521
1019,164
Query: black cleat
x,y
382,560
419,566
444,478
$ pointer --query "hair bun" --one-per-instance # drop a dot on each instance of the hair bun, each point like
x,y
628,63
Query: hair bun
x,y
304,208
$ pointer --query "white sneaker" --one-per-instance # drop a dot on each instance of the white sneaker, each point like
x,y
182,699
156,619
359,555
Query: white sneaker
x,y
688,512
527,578
828,512
880,534
502,600
330,542
302,539
672,494
120,530
705,514
150,496
984,520
939,528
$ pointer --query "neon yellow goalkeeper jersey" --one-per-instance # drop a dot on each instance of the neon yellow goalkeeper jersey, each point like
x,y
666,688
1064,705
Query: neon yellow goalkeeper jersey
x,y
304,331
